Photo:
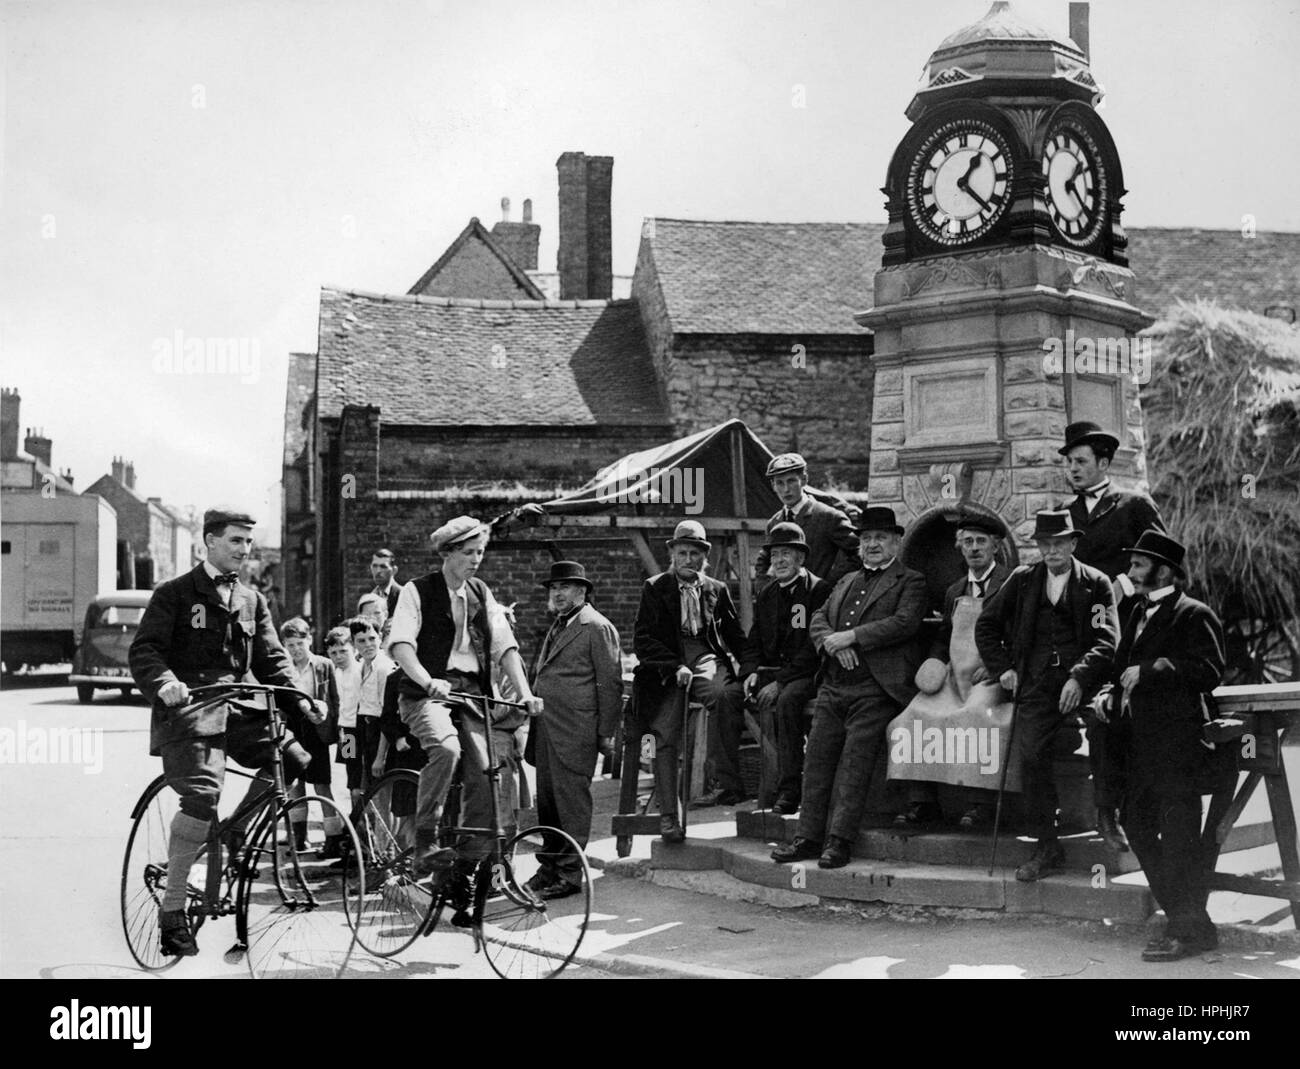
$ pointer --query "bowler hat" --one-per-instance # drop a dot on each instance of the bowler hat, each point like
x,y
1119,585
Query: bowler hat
x,y
457,530
1159,546
216,519
784,463
878,518
1085,432
1050,523
789,535
692,533
567,571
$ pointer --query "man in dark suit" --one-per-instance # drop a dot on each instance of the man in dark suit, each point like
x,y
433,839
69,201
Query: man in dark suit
x,y
832,543
979,539
1048,635
200,628
864,633
687,631
777,667
1108,521
1170,655
578,675
383,570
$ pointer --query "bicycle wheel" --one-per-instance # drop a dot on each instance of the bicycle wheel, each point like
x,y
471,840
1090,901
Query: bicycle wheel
x,y
394,908
523,935
144,876
291,917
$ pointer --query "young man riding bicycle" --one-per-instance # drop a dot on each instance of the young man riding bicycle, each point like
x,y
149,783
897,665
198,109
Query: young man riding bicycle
x,y
447,632
201,628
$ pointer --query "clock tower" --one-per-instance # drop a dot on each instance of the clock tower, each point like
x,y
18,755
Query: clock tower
x,y
1004,305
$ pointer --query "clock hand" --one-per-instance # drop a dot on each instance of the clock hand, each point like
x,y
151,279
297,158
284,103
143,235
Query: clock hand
x,y
1075,178
963,183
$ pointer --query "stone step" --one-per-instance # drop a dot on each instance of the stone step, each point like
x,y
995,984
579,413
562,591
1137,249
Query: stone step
x,y
1083,852
1070,894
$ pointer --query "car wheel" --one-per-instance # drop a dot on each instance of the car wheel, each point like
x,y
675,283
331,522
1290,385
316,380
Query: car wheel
x,y
85,693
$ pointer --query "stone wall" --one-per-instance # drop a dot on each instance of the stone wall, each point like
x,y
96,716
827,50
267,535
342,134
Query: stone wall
x,y
811,394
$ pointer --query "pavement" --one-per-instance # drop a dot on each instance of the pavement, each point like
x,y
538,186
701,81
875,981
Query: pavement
x,y
63,825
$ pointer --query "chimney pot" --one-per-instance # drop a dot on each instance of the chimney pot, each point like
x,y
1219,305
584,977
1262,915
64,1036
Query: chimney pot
x,y
505,209
528,210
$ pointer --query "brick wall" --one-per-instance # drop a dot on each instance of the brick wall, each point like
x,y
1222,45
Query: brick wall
x,y
823,409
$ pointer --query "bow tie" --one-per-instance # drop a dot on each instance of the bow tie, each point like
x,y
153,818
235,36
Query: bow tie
x,y
227,579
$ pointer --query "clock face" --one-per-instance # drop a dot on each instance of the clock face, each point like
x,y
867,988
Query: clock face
x,y
959,182
1075,186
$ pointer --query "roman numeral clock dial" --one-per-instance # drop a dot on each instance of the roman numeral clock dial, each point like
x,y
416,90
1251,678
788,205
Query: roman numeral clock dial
x,y
959,182
1075,185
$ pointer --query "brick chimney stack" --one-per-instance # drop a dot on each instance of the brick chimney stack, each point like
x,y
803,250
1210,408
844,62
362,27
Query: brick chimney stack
x,y
518,240
1079,28
38,446
9,405
130,475
586,257
66,476
119,471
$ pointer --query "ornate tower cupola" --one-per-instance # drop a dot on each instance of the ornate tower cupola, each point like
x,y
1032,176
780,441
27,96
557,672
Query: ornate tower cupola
x,y
1006,147
1004,307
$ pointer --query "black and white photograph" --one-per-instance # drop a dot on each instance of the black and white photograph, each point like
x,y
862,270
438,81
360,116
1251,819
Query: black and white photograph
x,y
790,489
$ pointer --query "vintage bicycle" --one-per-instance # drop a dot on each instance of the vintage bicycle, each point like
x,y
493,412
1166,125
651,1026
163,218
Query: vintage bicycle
x,y
295,915
522,935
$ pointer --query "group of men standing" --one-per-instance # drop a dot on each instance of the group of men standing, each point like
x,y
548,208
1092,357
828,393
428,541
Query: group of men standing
x,y
1099,623
1097,631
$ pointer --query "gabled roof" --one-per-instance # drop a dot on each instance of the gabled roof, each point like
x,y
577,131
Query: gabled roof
x,y
476,232
809,278
764,278
436,361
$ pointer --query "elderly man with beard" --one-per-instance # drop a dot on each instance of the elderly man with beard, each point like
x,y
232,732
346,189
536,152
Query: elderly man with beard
x,y
687,631
578,675
865,635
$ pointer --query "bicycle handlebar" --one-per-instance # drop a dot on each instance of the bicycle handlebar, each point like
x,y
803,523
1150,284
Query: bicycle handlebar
x,y
485,698
230,690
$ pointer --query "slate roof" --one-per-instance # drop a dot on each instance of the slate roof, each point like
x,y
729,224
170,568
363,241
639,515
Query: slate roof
x,y
764,278
475,231
433,361
809,278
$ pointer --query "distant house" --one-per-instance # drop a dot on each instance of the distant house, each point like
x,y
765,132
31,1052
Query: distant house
x,y
31,469
155,541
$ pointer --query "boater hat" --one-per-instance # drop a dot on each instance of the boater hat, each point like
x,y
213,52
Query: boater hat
x,y
878,518
567,571
789,535
1152,543
692,533
1086,432
786,462
457,530
1049,523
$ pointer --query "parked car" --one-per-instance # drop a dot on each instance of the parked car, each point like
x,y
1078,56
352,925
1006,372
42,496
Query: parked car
x,y
101,660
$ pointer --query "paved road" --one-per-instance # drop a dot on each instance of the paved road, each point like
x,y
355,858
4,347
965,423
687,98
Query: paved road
x,y
63,826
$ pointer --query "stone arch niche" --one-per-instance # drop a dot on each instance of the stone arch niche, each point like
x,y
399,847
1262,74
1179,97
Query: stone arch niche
x,y
929,546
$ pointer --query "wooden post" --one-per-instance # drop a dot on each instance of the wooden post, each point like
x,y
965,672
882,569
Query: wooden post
x,y
742,536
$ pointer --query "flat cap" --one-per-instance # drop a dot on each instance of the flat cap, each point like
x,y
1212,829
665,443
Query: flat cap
x,y
457,530
217,518
785,462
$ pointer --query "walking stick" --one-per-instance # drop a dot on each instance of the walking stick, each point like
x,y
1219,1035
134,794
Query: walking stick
x,y
686,758
1006,764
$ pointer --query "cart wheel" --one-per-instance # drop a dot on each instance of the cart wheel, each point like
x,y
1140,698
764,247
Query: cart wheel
x,y
523,935
395,907
144,877
1261,651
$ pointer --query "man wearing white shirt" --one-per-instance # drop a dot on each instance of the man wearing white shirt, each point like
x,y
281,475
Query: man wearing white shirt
x,y
447,633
